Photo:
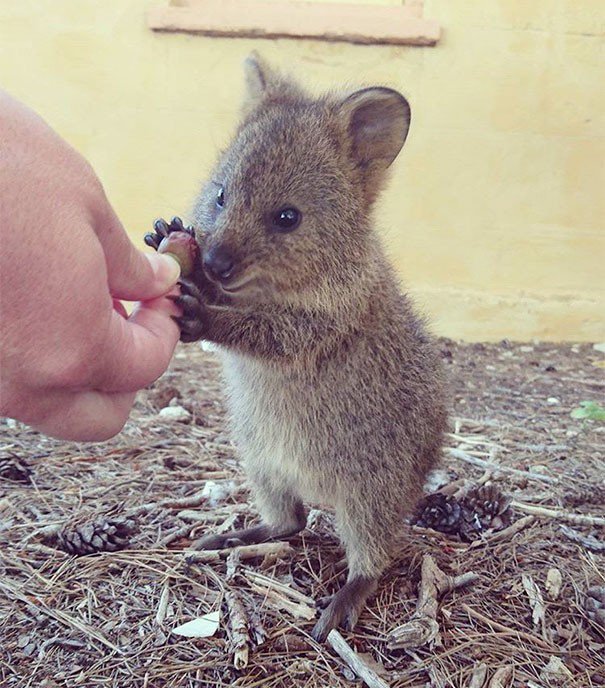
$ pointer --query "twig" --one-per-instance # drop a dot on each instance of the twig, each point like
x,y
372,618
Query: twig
x,y
504,534
592,383
482,463
505,629
176,534
279,601
423,628
163,604
278,586
354,661
180,503
560,514
587,541
279,549
238,625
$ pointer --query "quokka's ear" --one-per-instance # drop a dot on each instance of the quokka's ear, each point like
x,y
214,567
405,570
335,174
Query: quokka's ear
x,y
263,84
378,120
258,76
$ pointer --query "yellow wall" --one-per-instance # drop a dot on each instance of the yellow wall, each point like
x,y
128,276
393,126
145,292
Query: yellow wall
x,y
496,212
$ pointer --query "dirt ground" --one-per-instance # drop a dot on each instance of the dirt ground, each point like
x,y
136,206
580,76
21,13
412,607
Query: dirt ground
x,y
107,619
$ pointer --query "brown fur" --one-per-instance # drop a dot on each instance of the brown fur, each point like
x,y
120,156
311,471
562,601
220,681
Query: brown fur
x,y
334,385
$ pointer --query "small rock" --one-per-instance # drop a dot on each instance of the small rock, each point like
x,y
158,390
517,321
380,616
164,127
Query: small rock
x,y
526,349
575,349
175,414
539,468
11,423
553,401
599,347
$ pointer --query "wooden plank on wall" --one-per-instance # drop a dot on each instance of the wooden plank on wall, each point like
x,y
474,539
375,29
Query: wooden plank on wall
x,y
369,24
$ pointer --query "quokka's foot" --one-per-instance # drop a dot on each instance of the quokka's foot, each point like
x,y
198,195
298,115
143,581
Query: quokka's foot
x,y
162,229
191,301
345,607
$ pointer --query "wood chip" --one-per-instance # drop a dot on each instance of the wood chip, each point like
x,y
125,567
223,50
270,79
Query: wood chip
x,y
354,661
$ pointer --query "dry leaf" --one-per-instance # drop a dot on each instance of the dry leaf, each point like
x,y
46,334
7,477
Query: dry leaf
x,y
536,601
202,627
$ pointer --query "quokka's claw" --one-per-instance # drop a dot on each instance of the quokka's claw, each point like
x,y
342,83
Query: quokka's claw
x,y
151,240
161,227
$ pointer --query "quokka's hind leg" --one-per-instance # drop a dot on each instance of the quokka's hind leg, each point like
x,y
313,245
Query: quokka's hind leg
x,y
366,537
283,515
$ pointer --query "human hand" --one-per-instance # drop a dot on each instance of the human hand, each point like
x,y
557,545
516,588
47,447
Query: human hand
x,y
70,360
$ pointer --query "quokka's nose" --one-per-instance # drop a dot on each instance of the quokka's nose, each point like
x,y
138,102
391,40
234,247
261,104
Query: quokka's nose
x,y
219,262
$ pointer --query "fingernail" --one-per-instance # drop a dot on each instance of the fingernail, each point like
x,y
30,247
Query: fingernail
x,y
165,268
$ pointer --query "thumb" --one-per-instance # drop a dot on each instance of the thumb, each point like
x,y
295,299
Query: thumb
x,y
132,274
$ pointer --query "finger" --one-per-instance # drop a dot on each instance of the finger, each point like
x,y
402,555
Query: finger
x,y
84,416
138,350
132,274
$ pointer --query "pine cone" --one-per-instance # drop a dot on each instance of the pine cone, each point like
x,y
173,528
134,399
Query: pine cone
x,y
469,515
440,512
100,535
14,468
484,508
595,604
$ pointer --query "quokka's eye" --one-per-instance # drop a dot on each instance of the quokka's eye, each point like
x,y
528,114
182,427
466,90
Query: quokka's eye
x,y
286,219
220,197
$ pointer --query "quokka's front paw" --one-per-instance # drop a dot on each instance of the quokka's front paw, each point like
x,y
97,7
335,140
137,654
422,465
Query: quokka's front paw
x,y
162,229
193,321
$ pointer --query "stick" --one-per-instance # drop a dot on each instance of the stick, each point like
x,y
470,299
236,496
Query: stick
x,y
354,661
279,549
587,541
482,463
505,534
504,629
163,604
267,582
180,503
176,534
238,625
560,514
423,628
297,609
